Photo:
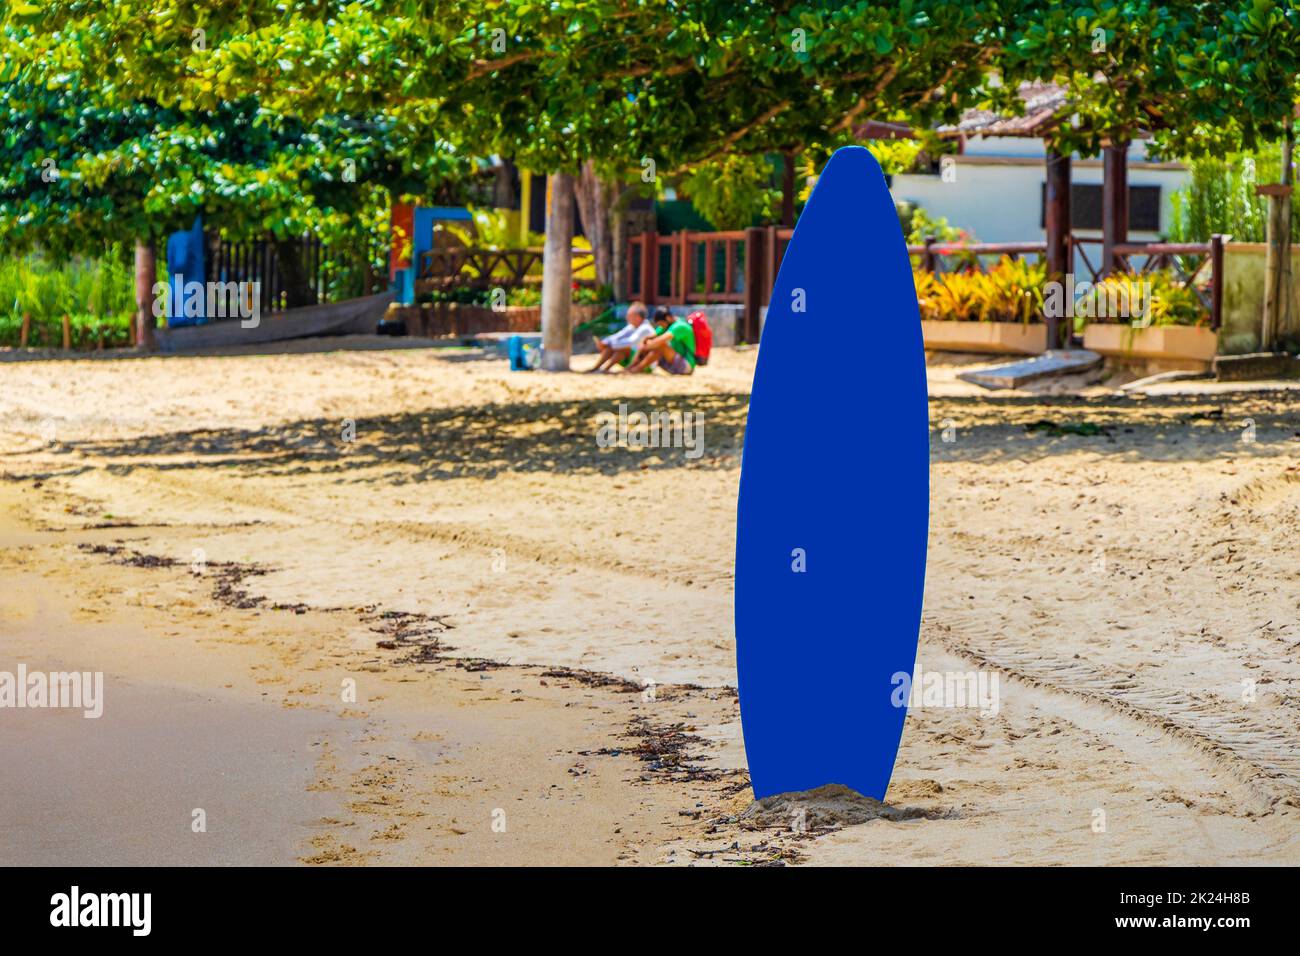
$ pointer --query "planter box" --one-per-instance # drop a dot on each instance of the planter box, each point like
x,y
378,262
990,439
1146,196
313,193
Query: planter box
x,y
441,319
1015,338
1184,343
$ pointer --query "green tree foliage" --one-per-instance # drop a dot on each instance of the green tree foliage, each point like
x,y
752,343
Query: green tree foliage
x,y
81,171
1203,76
554,84
735,191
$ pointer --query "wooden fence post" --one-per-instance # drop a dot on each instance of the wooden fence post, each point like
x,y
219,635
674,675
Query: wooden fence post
x,y
770,264
686,268
929,260
649,266
755,282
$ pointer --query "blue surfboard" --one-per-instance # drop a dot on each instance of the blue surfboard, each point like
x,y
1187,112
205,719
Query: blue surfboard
x,y
834,497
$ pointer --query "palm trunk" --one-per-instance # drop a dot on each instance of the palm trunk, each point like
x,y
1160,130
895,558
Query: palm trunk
x,y
787,191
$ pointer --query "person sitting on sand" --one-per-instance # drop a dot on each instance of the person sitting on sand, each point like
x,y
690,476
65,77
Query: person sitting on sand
x,y
619,347
673,348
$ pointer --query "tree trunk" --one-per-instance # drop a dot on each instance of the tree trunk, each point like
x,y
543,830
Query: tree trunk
x,y
146,274
618,243
1277,268
557,276
787,192
595,202
503,186
298,289
1284,250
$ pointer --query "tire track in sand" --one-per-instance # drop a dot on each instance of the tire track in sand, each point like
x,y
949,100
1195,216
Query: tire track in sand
x,y
1260,762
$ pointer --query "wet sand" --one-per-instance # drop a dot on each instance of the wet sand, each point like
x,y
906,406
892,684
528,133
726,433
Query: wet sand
x,y
211,540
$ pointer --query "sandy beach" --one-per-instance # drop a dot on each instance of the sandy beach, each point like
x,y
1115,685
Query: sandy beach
x,y
390,606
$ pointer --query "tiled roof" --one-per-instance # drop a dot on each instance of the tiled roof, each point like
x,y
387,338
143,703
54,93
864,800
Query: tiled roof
x,y
1043,105
1043,102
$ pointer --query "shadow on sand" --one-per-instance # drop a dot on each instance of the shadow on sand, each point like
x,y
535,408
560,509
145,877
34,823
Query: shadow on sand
x,y
524,437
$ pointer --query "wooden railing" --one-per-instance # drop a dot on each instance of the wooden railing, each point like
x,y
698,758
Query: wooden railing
x,y
929,256
259,261
1187,261
465,267
689,268
686,268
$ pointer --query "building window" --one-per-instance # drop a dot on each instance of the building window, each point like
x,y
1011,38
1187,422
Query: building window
x,y
1085,207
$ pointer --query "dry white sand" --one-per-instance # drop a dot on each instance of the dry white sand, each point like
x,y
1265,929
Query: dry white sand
x,y
1128,587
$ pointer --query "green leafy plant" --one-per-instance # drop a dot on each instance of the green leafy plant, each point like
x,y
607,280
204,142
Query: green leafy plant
x,y
97,295
1165,301
1221,198
1010,291
526,295
592,295
735,191
895,155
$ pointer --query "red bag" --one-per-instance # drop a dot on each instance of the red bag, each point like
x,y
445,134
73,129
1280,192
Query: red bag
x,y
703,337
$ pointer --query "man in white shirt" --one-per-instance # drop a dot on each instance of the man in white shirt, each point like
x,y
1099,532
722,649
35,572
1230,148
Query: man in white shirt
x,y
618,348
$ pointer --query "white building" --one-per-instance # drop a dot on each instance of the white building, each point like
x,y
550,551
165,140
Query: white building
x,y
994,187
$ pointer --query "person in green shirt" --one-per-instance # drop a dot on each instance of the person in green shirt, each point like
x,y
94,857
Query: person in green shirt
x,y
673,348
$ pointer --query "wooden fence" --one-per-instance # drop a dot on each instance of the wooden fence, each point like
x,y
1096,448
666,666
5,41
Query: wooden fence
x,y
1187,261
259,261
688,268
462,267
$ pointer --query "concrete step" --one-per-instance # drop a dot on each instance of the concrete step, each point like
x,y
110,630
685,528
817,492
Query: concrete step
x,y
1050,364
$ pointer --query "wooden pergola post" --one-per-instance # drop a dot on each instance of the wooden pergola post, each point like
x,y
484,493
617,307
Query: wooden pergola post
x,y
1057,221
1114,204
650,266
1216,272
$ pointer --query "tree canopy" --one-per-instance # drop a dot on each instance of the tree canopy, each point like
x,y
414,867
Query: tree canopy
x,y
552,84
81,172
1200,77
